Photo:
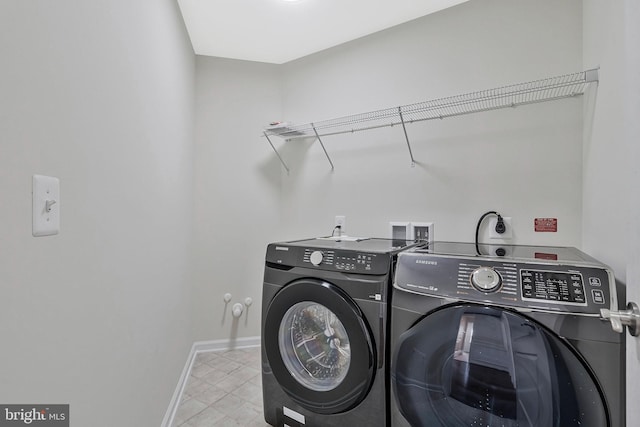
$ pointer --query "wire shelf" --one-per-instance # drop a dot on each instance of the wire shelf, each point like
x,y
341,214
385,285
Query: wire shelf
x,y
549,89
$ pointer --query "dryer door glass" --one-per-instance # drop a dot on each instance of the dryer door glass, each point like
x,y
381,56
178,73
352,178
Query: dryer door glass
x,y
314,346
472,365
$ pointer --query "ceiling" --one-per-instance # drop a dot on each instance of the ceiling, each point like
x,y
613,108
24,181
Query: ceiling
x,y
279,31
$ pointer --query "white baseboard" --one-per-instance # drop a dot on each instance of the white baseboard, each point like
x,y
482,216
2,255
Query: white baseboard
x,y
202,347
167,421
228,344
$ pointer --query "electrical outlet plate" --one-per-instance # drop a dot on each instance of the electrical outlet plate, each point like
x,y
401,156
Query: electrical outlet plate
x,y
341,221
508,233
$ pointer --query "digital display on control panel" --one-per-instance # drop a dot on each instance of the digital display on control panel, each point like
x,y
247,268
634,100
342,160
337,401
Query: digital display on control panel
x,y
553,286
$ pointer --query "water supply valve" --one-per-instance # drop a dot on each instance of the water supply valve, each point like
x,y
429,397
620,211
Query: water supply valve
x,y
621,318
237,310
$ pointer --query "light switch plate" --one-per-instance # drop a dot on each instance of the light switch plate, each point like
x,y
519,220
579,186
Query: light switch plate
x,y
46,205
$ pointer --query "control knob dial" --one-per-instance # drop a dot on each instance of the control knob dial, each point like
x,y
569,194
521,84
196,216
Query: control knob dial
x,y
316,257
486,279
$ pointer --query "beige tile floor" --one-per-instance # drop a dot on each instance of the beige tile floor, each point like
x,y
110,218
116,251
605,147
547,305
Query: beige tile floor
x,y
223,390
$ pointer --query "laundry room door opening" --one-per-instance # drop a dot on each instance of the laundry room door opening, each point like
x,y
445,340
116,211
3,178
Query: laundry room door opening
x,y
319,346
467,365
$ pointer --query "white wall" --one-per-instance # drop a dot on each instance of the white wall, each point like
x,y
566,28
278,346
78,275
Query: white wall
x,y
632,177
605,156
525,162
237,191
611,225
100,95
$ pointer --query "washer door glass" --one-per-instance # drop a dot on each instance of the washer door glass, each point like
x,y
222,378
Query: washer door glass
x,y
314,346
319,346
479,366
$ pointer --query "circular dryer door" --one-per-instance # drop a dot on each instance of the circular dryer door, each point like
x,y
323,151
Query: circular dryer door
x,y
468,365
319,346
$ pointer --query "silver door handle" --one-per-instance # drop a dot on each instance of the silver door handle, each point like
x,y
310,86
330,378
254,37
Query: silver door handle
x,y
621,318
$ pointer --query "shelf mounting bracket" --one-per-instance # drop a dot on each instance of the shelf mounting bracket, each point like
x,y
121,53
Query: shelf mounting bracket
x,y
406,136
324,149
276,151
592,75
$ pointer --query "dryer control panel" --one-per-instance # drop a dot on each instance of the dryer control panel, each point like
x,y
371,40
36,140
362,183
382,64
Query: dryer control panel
x,y
545,286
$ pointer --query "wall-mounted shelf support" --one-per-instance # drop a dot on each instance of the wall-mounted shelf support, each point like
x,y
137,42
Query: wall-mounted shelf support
x,y
324,149
404,128
549,89
277,154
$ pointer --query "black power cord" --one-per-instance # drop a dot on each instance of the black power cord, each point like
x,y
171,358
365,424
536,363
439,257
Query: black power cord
x,y
500,228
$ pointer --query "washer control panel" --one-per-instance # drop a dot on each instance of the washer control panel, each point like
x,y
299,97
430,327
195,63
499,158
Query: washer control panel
x,y
583,289
340,260
347,261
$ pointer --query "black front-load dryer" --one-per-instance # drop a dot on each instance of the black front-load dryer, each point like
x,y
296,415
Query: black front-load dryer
x,y
511,341
324,328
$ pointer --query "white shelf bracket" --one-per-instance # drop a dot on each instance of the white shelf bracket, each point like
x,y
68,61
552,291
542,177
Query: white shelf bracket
x,y
592,75
404,128
276,151
324,149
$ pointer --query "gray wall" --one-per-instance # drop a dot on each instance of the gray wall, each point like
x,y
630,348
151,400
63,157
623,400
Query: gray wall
x,y
611,225
524,162
237,189
100,95
632,176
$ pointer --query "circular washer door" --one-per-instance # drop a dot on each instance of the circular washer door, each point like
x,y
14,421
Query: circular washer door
x,y
469,365
319,346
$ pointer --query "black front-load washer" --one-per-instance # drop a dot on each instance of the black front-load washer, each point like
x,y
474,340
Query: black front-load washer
x,y
324,328
504,341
